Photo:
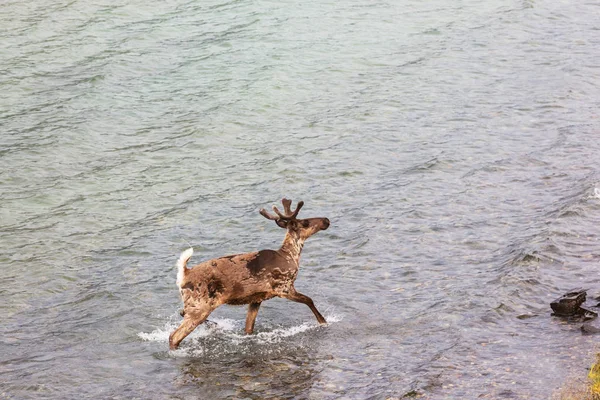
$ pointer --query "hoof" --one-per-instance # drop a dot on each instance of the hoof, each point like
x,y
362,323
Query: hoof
x,y
172,345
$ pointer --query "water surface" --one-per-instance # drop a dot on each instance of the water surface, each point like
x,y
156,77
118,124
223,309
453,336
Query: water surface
x,y
453,145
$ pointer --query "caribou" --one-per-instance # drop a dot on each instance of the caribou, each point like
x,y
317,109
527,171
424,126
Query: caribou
x,y
248,278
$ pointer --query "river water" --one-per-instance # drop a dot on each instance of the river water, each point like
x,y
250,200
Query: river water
x,y
454,145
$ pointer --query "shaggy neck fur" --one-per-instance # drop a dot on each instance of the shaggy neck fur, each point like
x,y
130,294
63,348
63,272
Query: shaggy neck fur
x,y
292,245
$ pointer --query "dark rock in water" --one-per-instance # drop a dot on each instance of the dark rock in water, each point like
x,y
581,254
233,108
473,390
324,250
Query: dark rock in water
x,y
570,303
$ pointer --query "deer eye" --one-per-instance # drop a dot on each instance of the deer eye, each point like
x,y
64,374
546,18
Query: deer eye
x,y
305,224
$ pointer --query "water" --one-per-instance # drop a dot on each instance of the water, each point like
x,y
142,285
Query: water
x,y
453,145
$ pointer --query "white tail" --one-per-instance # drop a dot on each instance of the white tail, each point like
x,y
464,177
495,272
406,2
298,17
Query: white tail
x,y
181,263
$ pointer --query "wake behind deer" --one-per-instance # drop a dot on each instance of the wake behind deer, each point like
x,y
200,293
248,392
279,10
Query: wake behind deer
x,y
249,278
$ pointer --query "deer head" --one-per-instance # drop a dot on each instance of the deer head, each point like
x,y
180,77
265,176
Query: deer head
x,y
301,228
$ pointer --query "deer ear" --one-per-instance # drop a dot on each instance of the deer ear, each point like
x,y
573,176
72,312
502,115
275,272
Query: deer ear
x,y
293,224
282,223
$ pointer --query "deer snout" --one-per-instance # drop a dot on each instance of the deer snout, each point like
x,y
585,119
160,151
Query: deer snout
x,y
325,223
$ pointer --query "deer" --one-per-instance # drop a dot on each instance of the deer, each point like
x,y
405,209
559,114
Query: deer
x,y
248,278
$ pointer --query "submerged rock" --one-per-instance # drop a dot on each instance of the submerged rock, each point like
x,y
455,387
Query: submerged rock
x,y
588,329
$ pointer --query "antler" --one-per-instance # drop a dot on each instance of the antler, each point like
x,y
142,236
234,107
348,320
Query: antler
x,y
288,216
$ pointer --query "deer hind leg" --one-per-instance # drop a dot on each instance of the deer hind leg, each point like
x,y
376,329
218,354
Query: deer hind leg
x,y
300,298
251,317
190,322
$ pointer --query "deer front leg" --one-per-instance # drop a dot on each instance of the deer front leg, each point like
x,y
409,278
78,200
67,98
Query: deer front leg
x,y
190,322
300,298
251,317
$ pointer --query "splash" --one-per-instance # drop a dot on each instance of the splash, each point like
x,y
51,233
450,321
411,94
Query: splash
x,y
221,336
597,193
204,330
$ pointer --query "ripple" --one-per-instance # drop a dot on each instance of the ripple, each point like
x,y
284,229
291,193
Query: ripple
x,y
453,146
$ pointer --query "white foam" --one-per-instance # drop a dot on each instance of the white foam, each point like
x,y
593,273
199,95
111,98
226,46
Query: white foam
x,y
162,334
597,193
229,333
158,335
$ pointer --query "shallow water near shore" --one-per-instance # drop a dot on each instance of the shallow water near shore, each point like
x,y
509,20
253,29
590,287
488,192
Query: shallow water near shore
x,y
454,146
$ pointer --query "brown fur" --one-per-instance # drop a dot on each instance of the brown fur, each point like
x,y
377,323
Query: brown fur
x,y
249,278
